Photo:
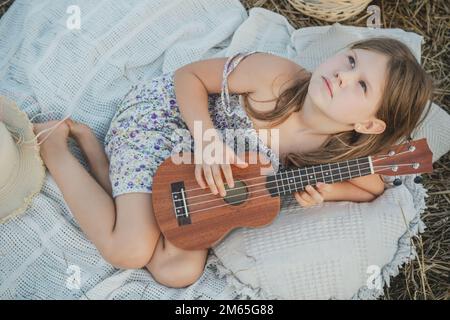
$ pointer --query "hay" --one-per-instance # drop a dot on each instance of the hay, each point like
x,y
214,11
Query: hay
x,y
4,5
427,277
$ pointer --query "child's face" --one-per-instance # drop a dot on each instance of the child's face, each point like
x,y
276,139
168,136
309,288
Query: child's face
x,y
357,78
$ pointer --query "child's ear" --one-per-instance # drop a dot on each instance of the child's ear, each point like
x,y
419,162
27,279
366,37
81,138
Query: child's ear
x,y
372,126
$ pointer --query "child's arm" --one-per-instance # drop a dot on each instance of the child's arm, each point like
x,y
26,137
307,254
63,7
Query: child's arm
x,y
196,80
371,183
365,189
192,98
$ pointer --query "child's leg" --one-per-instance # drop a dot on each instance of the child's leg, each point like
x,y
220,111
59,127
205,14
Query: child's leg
x,y
93,151
175,267
125,231
169,265
127,236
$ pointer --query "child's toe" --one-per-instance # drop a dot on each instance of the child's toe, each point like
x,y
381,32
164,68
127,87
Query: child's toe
x,y
77,129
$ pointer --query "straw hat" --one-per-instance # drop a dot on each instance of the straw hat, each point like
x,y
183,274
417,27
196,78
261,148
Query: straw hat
x,y
22,171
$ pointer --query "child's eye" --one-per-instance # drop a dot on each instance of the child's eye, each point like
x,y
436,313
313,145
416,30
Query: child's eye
x,y
363,85
352,63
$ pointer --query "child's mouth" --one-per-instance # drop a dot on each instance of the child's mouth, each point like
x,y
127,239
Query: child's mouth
x,y
327,83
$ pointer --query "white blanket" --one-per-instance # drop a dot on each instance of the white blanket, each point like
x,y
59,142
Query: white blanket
x,y
45,66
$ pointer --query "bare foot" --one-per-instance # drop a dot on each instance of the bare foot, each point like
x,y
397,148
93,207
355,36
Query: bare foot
x,y
53,141
88,142
78,130
84,137
93,152
57,135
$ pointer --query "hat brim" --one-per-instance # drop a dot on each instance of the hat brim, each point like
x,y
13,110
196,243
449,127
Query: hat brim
x,y
29,178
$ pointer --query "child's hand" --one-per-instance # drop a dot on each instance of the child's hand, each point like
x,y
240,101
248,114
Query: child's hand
x,y
51,138
312,196
212,171
57,134
78,130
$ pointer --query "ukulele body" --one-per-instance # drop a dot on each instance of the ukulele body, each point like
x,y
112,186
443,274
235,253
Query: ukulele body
x,y
192,218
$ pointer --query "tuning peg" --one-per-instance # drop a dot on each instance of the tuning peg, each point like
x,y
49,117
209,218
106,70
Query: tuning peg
x,y
397,182
418,179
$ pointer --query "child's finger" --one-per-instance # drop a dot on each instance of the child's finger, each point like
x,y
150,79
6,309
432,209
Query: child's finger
x,y
305,196
299,199
217,175
226,169
209,178
315,195
240,162
233,158
199,176
324,187
69,122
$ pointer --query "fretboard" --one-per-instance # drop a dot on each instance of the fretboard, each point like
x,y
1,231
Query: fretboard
x,y
292,180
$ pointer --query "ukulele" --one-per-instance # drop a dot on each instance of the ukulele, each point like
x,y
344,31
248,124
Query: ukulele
x,y
193,218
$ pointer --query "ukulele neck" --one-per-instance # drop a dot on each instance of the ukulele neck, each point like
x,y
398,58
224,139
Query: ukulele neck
x,y
291,180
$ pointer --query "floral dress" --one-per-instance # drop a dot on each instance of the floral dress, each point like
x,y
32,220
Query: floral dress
x,y
142,132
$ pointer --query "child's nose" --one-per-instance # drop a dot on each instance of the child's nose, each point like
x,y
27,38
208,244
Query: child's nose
x,y
343,78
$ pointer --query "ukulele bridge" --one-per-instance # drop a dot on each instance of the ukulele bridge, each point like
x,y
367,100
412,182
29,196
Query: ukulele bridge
x,y
180,208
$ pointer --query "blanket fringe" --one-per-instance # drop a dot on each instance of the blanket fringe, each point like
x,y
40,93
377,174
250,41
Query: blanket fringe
x,y
406,251
243,291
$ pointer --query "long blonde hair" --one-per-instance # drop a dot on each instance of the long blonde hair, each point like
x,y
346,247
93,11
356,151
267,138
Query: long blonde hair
x,y
406,93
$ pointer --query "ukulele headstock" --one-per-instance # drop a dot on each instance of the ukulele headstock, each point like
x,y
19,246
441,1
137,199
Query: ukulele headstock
x,y
412,157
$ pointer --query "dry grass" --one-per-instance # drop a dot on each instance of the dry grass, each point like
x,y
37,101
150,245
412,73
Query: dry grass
x,y
427,277
4,5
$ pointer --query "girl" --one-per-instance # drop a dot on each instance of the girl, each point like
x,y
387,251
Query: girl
x,y
356,103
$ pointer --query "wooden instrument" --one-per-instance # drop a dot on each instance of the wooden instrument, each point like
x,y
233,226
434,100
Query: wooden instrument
x,y
194,218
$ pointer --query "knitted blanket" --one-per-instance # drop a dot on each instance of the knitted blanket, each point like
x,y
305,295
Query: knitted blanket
x,y
47,64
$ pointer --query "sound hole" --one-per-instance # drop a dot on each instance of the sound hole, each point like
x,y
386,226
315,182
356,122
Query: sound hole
x,y
237,195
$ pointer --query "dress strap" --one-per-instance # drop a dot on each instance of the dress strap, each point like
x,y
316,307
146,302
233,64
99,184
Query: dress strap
x,y
230,65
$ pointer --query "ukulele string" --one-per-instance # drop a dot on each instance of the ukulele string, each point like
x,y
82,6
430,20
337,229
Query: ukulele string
x,y
260,177
223,205
247,193
385,156
263,183
257,184
264,176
